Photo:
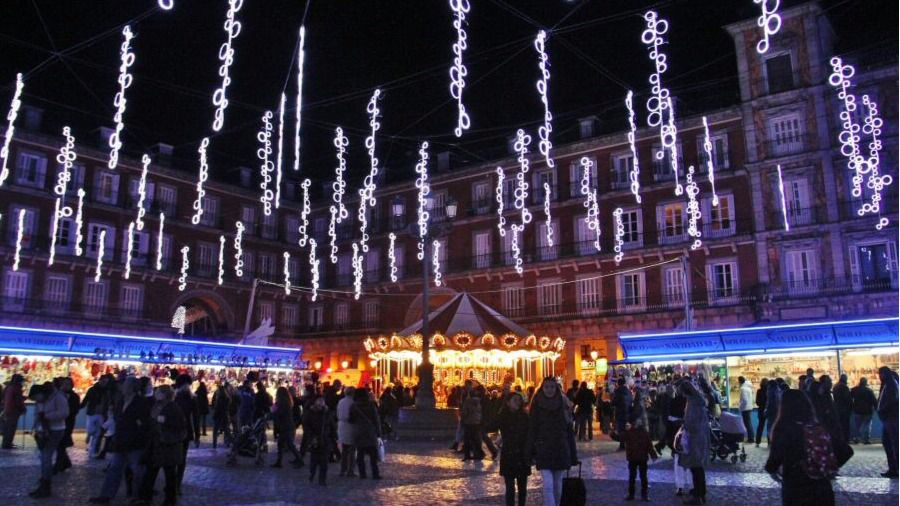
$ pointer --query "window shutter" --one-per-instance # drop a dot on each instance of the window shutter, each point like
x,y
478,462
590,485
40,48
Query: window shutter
x,y
854,267
892,262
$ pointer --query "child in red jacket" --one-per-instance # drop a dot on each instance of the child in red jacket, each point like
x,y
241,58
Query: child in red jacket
x,y
638,449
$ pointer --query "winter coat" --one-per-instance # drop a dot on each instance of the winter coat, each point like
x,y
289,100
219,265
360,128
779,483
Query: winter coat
x,y
283,421
621,402
13,400
390,406
168,430
221,406
344,427
746,396
188,404
471,414
95,400
202,400
887,399
132,424
53,411
761,399
841,394
696,425
638,413
514,459
318,426
74,403
245,406
262,404
638,445
548,433
787,453
584,402
863,400
366,424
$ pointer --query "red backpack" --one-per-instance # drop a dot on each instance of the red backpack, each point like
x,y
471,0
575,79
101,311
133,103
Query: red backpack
x,y
820,463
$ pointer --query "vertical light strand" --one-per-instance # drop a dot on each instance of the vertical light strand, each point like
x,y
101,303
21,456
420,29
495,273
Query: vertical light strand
x,y
784,212
239,249
367,192
101,251
232,29
202,177
392,256
619,234
544,131
303,228
659,105
357,272
266,167
167,5
515,230
769,21
185,265
340,185
20,235
523,140
549,222
142,192
436,262
693,208
66,160
501,220
280,160
710,166
872,127
287,272
849,136
423,189
129,251
159,241
301,55
79,223
458,71
54,227
11,116
314,269
221,275
120,102
634,175
593,217
332,233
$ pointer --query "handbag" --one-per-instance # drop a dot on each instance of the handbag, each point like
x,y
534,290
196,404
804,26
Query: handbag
x,y
574,492
380,446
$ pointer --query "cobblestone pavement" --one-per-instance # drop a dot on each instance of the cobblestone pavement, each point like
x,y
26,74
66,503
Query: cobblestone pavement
x,y
422,473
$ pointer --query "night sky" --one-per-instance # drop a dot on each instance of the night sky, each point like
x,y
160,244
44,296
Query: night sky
x,y
402,46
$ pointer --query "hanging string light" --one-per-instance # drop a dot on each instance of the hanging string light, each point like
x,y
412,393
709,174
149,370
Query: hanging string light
x,y
314,269
849,136
784,211
357,272
304,213
877,182
619,235
367,192
101,252
634,175
392,256
547,128
178,319
549,226
185,265
301,55
54,226
10,127
458,71
769,21
66,160
521,202
239,250
515,230
501,220
287,273
586,168
226,56
659,105
167,5
129,251
436,262
423,190
708,150
339,186
332,233
693,208
266,166
593,217
20,234
221,274
202,176
120,102
159,241
79,222
142,192
280,160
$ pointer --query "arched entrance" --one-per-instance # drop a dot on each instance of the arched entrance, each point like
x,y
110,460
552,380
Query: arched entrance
x,y
207,313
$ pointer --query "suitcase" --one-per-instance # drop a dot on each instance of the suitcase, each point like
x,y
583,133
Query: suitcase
x,y
573,491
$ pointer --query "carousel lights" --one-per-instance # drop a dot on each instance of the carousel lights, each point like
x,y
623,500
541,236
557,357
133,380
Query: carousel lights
x,y
101,250
202,176
279,161
266,167
20,234
769,21
314,269
693,208
620,234
634,175
129,251
178,319
357,272
659,105
501,220
876,183
423,190
514,246
301,55
287,273
10,127
239,250
120,102
332,234
221,274
458,71
159,241
547,213
226,56
544,130
521,147
392,256
707,149
185,265
436,262
304,213
79,222
339,186
66,159
784,212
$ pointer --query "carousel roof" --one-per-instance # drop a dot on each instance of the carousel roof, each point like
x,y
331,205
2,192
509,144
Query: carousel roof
x,y
464,314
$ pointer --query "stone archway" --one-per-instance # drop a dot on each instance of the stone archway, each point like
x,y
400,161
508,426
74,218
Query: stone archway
x,y
208,314
437,298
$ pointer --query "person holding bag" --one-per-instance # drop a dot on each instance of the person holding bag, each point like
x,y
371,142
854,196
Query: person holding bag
x,y
695,440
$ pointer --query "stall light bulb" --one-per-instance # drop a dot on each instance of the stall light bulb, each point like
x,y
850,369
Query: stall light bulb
x,y
266,167
79,222
221,276
634,176
549,225
120,102
708,149
159,241
501,220
693,208
458,71
304,214
202,176
357,272
11,116
542,86
392,256
619,235
185,265
340,185
280,160
523,140
239,250
101,251
20,234
436,262
314,268
769,21
226,56
423,190
301,55
784,212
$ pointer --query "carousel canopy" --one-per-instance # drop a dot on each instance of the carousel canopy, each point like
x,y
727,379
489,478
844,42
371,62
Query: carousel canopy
x,y
464,314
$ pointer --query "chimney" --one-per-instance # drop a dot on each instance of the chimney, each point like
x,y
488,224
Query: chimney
x,y
246,175
103,135
162,153
587,126
443,161
33,117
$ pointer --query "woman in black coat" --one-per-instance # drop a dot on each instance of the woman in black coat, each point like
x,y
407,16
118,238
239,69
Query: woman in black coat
x,y
318,434
168,430
515,462
283,420
549,431
366,432
202,406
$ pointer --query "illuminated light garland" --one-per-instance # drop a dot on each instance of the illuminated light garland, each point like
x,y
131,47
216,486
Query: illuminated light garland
x,y
458,71
239,250
586,165
634,176
339,186
849,136
693,208
872,127
332,233
436,262
521,202
392,256
20,234
226,56
515,229
79,223
185,265
101,250
769,21
201,178
357,272
784,212
221,275
546,129
142,192
707,148
423,190
659,106
54,226
167,5
287,272
178,319
304,214
547,213
301,55
619,235
266,166
66,159
11,127
129,251
279,162
314,269
593,217
367,192
501,220
120,102
159,241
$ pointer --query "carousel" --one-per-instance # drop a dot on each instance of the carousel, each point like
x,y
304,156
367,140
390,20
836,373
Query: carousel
x,y
470,340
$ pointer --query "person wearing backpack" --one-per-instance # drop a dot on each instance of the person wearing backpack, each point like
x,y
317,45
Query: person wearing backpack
x,y
801,456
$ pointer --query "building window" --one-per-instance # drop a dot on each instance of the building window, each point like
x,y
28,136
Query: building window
x,y
266,266
621,168
32,170
65,236
29,225
265,310
631,292
796,200
482,197
673,289
167,197
210,207
166,252
93,241
294,269
587,294
873,266
400,260
270,226
779,73
291,229
544,250
94,301
576,171
721,217
584,237
506,246
341,315
15,289
372,265
509,192
513,300
662,166
316,317
785,134
290,316
140,247
370,313
56,293
249,266
671,223
76,180
320,230
719,152
207,257
481,250
723,282
248,218
134,195
631,220
344,278
544,176
438,211
106,187
549,297
131,300
801,272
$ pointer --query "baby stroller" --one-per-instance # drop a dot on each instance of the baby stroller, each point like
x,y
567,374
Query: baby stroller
x,y
249,442
726,437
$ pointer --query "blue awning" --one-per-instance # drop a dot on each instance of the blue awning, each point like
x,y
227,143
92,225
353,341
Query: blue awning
x,y
65,343
759,340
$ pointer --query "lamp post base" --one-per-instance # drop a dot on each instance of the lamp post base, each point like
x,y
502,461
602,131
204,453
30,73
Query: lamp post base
x,y
425,392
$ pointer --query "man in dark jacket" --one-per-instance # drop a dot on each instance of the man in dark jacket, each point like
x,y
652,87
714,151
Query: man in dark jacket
x,y
95,403
843,405
887,412
13,408
621,402
862,401
390,411
584,412
761,398
186,401
221,410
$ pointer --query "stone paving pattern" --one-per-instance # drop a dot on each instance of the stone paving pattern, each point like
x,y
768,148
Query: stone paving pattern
x,y
424,473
